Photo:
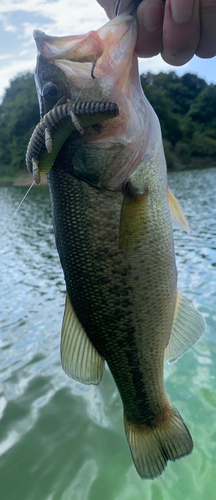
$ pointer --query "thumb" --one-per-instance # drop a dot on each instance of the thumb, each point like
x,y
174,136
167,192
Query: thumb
x,y
110,6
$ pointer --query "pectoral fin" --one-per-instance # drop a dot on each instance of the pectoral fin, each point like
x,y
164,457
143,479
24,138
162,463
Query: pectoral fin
x,y
133,216
80,359
188,326
177,213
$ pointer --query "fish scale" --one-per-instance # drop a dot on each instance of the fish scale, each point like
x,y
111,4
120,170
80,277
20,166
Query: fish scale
x,y
99,278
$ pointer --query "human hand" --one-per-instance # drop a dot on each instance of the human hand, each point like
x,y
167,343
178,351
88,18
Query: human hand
x,y
177,29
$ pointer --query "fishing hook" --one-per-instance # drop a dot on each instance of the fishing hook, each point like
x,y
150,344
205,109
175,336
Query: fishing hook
x,y
117,7
92,70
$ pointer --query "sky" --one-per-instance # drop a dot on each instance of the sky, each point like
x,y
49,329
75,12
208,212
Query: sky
x,y
18,19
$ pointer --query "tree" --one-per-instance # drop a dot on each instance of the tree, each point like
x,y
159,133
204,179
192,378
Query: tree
x,y
203,109
186,107
19,114
163,106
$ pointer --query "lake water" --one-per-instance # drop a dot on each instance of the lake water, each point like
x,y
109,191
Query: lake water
x,y
61,440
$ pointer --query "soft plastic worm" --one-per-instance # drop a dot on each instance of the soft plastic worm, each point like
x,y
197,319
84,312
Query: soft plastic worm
x,y
55,127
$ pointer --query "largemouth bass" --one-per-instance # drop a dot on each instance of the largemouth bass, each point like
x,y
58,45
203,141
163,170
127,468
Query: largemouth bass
x,y
112,218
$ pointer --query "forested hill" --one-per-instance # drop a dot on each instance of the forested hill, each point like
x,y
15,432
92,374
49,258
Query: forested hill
x,y
19,114
186,107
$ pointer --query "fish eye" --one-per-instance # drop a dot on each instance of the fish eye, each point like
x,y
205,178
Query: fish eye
x,y
52,92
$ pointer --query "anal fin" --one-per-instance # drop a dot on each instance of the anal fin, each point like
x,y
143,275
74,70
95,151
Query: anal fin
x,y
80,360
188,326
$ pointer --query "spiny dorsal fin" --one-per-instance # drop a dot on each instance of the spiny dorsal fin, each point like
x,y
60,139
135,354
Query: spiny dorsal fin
x,y
188,326
80,359
177,213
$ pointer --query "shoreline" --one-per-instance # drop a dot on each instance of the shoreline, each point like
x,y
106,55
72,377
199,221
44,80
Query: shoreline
x,y
26,180
23,181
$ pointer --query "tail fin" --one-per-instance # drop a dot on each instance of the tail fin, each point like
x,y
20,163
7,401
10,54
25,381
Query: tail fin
x,y
152,447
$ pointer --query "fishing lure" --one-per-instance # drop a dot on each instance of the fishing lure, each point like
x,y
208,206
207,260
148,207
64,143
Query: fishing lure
x,y
55,127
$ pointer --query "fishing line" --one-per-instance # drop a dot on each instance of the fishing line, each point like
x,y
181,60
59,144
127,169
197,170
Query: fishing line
x,y
24,197
83,88
17,209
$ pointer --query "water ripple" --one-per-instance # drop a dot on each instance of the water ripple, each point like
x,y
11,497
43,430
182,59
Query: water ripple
x,y
60,439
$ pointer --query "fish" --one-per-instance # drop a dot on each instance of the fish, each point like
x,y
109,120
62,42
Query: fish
x,y
112,214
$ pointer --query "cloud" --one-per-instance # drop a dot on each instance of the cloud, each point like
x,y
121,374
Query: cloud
x,y
59,17
5,56
23,53
6,25
66,16
27,33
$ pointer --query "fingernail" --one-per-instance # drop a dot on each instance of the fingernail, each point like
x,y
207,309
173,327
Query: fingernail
x,y
152,16
182,10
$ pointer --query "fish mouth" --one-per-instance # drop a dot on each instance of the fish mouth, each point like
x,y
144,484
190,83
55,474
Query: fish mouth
x,y
80,48
97,66
106,52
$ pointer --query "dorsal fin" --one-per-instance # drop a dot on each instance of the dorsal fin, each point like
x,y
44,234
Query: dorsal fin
x,y
80,359
176,211
188,326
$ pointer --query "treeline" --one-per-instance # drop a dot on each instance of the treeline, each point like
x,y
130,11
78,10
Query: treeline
x,y
186,107
19,114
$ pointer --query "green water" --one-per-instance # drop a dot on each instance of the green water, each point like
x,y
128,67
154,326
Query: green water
x,y
61,440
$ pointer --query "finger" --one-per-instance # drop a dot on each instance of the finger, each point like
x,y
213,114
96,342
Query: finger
x,y
150,24
181,31
110,6
207,45
123,5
